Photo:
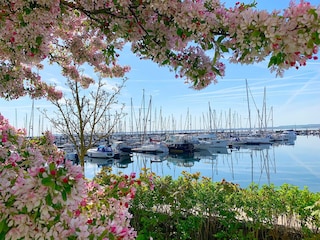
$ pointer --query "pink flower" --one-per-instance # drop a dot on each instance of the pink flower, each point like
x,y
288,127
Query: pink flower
x,y
65,179
77,212
83,203
4,138
133,175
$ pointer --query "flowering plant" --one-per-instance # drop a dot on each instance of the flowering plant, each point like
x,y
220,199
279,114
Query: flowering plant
x,y
190,36
43,197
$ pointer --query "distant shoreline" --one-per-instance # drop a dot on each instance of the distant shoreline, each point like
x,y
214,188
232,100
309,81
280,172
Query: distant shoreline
x,y
301,126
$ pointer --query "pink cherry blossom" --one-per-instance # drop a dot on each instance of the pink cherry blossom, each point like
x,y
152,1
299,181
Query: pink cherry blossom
x,y
87,33
30,186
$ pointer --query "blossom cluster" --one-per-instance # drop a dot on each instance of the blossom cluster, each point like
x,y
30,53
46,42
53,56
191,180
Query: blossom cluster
x,y
181,35
42,196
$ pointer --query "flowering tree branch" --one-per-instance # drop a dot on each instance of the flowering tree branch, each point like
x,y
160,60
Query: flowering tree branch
x,y
190,37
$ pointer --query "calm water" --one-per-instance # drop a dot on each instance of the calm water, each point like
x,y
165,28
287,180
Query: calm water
x,y
297,164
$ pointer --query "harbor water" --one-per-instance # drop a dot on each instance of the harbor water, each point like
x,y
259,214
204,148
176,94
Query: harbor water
x,y
297,163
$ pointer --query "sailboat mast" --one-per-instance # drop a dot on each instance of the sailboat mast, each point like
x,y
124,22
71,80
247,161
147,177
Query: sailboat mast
x,y
210,118
249,112
31,123
265,109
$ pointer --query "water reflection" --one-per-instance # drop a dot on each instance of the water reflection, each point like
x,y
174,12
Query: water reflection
x,y
261,164
183,160
123,162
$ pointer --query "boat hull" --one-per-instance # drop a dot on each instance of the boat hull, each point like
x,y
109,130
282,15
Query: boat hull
x,y
100,152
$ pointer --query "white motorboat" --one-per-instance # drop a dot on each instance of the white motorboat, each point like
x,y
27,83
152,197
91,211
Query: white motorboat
x,y
102,151
206,141
152,147
256,139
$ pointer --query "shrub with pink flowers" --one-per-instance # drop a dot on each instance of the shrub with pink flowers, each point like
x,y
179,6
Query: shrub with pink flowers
x,y
43,197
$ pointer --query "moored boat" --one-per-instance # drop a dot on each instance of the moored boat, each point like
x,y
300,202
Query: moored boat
x,y
180,148
121,149
152,147
205,141
179,144
102,151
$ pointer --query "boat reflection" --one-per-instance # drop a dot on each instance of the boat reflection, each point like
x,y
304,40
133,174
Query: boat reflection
x,y
213,150
183,160
123,161
101,162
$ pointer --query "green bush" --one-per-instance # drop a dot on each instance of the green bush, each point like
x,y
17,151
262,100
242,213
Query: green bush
x,y
194,207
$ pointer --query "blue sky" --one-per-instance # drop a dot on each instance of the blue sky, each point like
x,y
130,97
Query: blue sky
x,y
292,99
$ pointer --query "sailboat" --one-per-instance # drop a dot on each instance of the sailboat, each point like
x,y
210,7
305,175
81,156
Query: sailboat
x,y
253,138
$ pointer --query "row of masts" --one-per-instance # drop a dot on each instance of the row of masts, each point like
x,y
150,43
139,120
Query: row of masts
x,y
145,119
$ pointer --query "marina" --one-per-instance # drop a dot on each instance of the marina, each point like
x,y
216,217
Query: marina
x,y
296,163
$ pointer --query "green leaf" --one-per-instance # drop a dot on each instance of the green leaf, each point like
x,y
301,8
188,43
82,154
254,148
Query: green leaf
x,y
67,188
277,59
49,199
64,195
216,55
179,32
245,53
10,201
273,61
314,13
38,40
34,50
315,37
36,215
6,77
77,13
210,45
256,33
103,234
216,71
58,187
310,43
219,40
188,34
52,166
57,218
3,229
223,48
280,58
165,62
27,10
24,210
3,225
48,182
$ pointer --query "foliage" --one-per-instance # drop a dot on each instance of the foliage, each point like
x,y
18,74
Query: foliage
x,y
197,208
43,197
191,37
